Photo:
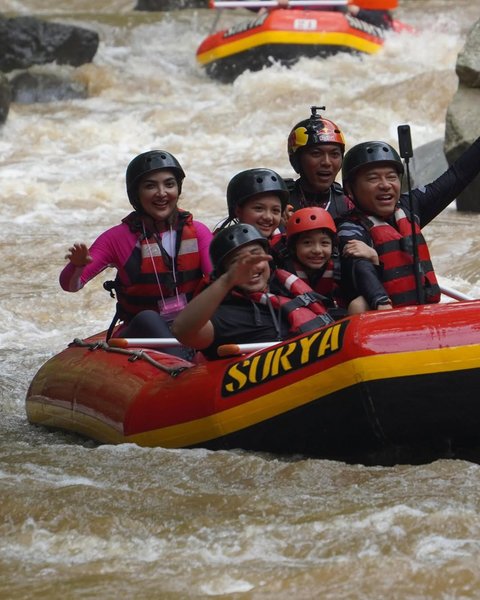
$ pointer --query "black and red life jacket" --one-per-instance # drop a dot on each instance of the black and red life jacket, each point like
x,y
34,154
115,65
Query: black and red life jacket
x,y
394,246
150,267
301,305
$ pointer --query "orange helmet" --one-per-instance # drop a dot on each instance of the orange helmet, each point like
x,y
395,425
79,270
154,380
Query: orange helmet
x,y
311,131
310,218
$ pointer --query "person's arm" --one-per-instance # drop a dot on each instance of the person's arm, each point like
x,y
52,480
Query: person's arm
x,y
359,249
193,326
111,248
431,199
360,276
204,237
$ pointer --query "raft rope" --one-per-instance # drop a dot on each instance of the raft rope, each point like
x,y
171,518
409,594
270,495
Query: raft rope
x,y
133,355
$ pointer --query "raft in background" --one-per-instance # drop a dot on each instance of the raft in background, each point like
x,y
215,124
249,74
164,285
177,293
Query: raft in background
x,y
284,36
377,388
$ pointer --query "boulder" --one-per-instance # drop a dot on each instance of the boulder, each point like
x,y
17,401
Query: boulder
x,y
428,163
463,114
30,87
26,41
5,97
162,5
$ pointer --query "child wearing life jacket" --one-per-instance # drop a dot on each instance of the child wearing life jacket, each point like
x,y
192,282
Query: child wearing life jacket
x,y
312,254
257,197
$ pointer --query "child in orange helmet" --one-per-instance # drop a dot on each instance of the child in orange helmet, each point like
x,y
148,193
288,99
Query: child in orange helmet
x,y
311,242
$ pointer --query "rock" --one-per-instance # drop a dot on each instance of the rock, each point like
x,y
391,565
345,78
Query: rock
x,y
468,60
26,41
29,87
463,114
5,97
428,163
162,5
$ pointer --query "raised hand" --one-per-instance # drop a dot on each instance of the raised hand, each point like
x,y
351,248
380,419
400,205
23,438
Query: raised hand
x,y
78,255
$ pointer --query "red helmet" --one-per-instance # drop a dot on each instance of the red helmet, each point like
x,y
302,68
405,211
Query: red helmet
x,y
310,218
312,131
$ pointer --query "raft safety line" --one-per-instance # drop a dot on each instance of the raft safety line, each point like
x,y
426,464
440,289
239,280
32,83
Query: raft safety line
x,y
133,354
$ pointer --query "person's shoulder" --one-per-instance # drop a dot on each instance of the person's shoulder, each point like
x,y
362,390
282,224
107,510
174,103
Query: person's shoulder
x,y
120,229
201,227
353,220
289,182
337,188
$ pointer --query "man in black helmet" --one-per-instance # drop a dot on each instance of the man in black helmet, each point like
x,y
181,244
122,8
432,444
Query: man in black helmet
x,y
246,302
382,219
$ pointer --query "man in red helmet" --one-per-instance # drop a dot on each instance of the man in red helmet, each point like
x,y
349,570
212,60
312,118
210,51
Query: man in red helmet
x,y
315,148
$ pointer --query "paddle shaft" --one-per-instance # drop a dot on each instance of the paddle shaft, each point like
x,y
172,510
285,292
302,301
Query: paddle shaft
x,y
454,294
273,3
365,4
170,342
406,152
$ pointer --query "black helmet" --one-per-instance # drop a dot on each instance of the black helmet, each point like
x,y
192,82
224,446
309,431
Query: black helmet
x,y
147,163
368,153
229,239
312,131
247,183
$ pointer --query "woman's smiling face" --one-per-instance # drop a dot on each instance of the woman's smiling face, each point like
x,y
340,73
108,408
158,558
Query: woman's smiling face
x,y
158,194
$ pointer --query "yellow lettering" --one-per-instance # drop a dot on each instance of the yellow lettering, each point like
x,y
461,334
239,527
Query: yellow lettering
x,y
266,364
329,340
281,355
252,373
237,376
306,343
335,343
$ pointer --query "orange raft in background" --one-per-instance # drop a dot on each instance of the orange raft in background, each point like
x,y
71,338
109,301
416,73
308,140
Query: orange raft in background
x,y
378,388
283,36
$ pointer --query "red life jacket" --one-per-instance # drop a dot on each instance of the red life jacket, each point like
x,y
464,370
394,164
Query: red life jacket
x,y
150,265
395,251
303,308
325,285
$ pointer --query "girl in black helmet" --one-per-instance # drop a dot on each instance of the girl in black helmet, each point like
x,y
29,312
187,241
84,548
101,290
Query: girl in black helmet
x,y
257,197
382,219
159,251
246,302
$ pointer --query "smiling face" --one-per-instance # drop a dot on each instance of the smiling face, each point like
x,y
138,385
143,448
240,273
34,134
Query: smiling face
x,y
263,211
158,194
313,248
376,189
260,272
320,164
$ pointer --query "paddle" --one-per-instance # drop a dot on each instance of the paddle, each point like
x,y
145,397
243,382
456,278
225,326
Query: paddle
x,y
365,4
234,349
451,293
406,152
225,350
273,3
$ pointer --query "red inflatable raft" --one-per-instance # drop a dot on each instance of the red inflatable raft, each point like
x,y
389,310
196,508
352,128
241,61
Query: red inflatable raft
x,y
381,387
284,36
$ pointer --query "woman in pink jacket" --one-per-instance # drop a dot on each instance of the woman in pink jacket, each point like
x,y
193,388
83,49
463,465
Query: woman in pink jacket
x,y
159,251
